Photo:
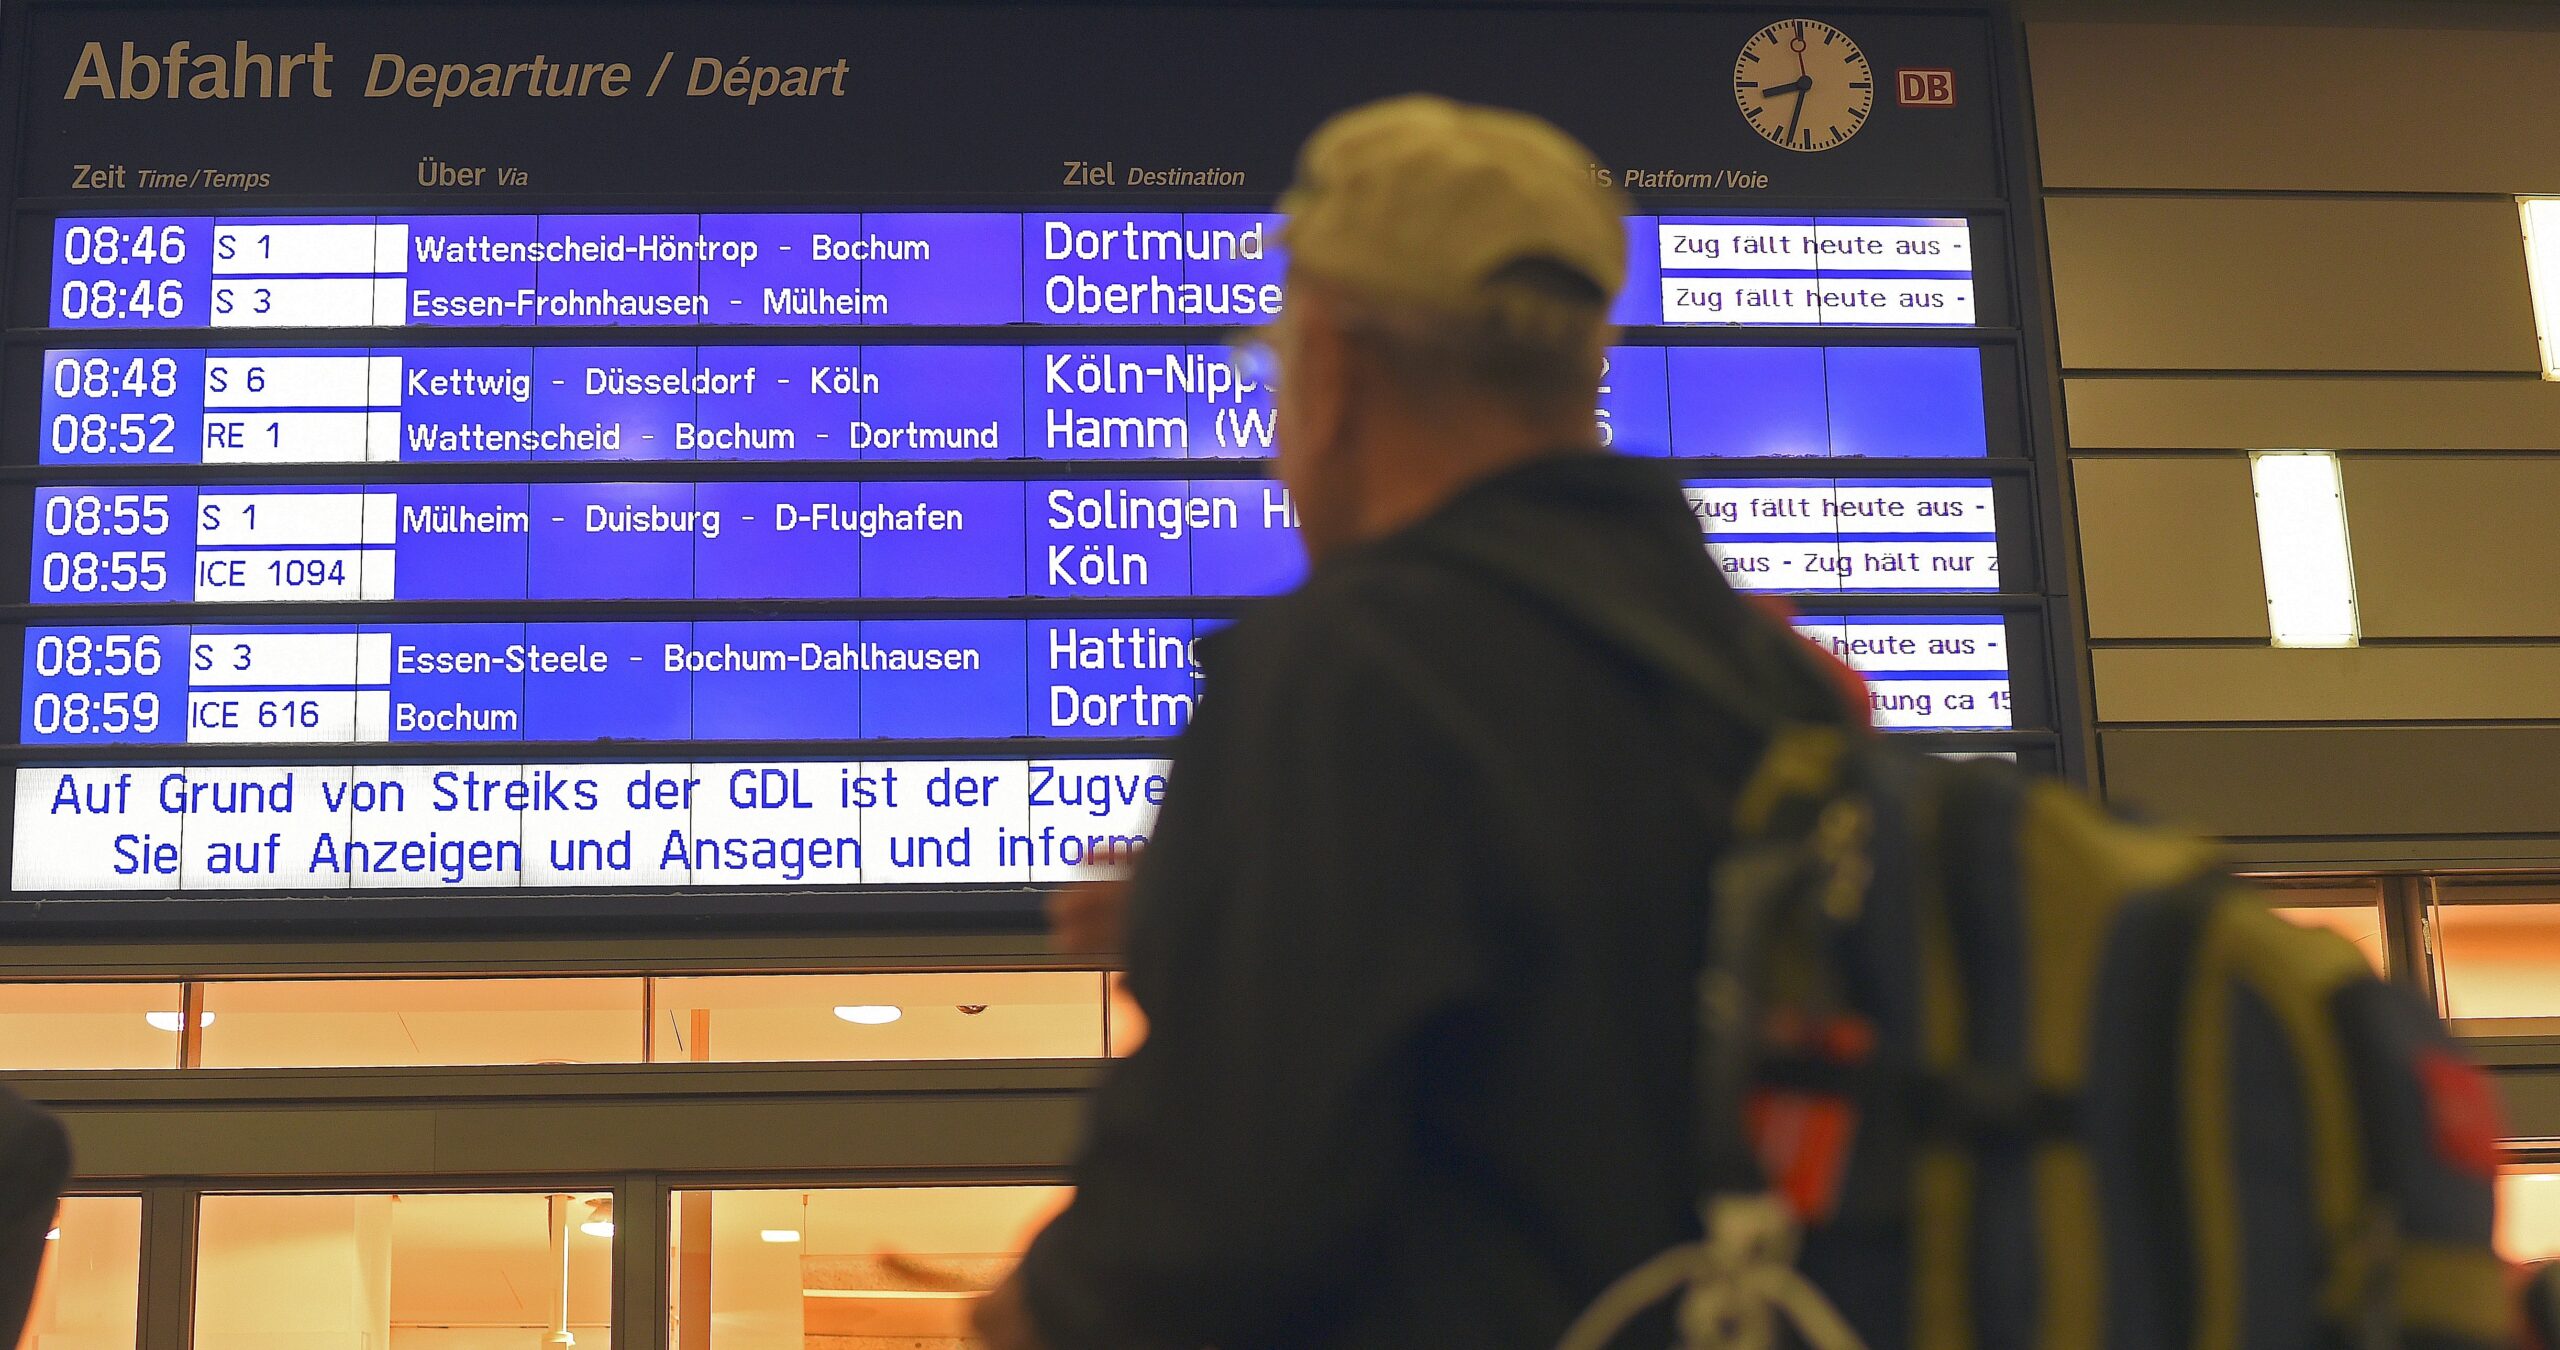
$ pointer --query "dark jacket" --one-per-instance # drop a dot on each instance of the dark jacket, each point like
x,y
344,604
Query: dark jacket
x,y
1417,933
35,1159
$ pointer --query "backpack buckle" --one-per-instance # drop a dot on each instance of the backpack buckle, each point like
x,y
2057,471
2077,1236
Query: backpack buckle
x,y
1744,1292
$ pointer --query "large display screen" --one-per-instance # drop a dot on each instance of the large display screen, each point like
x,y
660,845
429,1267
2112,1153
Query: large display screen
x,y
786,487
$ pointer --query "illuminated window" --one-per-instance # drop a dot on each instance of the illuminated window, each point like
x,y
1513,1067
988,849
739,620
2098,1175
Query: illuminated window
x,y
2350,906
403,1272
90,1293
265,1024
888,1266
2529,1213
2542,265
2302,548
89,1026
593,1019
973,1015
2361,926
2498,962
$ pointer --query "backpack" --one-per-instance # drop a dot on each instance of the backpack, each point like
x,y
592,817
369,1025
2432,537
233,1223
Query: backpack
x,y
1982,1064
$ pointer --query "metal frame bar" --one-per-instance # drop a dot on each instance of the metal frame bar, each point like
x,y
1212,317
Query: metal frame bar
x,y
167,1274
2069,671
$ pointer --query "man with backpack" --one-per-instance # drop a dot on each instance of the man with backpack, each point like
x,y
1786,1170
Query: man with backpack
x,y
1418,926
1532,935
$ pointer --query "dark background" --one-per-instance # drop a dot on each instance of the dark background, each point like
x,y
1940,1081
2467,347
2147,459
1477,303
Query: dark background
x,y
971,102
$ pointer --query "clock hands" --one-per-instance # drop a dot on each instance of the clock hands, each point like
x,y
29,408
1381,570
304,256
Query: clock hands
x,y
1802,87
1804,83
1846,83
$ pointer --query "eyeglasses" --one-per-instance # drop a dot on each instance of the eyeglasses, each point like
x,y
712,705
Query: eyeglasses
x,y
1254,358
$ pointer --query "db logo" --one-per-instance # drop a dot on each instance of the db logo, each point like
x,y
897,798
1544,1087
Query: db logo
x,y
1924,88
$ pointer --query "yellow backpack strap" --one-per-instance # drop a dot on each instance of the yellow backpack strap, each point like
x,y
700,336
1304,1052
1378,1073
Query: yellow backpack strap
x,y
2076,869
1942,1185
1942,1170
2413,1287
2455,1291
2246,946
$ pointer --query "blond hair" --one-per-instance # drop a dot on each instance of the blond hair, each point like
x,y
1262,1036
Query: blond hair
x,y
1535,341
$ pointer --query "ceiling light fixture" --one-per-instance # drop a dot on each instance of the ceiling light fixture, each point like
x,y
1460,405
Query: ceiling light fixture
x,y
2542,274
599,1218
174,1022
53,1235
2302,545
870,1014
779,1236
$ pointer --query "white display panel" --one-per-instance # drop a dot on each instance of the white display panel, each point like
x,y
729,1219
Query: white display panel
x,y
801,823
1926,673
1746,271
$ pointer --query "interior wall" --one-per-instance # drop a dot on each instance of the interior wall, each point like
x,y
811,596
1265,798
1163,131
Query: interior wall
x,y
2278,234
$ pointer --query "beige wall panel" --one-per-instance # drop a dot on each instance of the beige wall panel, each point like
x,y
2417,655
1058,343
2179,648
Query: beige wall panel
x,y
2456,547
2251,283
2169,548
2218,412
2342,782
246,1142
2360,684
2352,109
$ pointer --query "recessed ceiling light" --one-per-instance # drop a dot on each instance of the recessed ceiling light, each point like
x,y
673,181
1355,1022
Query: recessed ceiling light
x,y
174,1021
2542,274
870,1014
2302,544
781,1235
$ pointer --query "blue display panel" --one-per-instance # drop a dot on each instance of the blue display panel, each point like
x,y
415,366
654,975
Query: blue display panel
x,y
109,407
592,826
446,417
1002,539
963,268
771,680
760,680
986,686
992,540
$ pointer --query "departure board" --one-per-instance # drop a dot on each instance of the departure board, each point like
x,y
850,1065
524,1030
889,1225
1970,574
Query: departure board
x,y
556,463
